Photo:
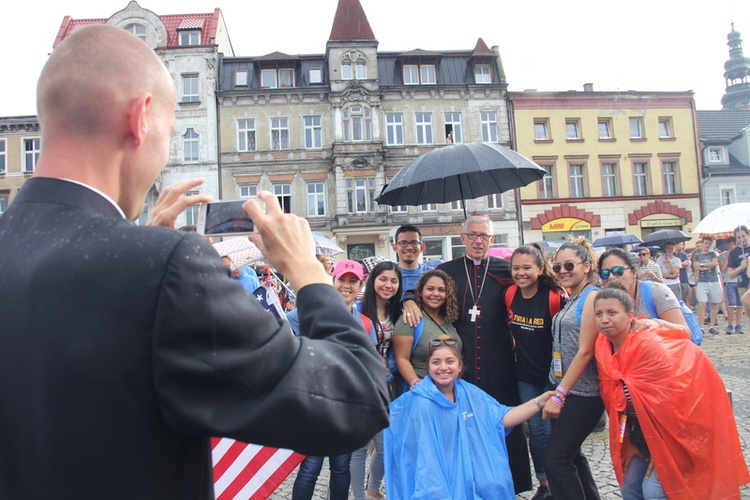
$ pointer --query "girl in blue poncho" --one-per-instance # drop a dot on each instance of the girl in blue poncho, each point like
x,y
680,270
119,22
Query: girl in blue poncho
x,y
446,438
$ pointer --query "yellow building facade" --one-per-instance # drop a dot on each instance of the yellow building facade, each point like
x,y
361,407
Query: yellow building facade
x,y
616,161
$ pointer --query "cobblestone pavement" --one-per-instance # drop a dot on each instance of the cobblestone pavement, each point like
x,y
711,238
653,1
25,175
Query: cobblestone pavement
x,y
731,356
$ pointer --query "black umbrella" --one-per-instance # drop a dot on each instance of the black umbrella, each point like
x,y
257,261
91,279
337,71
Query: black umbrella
x,y
459,172
664,236
616,240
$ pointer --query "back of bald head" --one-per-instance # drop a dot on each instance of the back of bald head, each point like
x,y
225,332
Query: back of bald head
x,y
92,76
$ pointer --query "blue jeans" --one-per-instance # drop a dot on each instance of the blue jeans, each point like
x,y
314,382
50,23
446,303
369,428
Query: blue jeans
x,y
636,486
309,469
376,468
539,430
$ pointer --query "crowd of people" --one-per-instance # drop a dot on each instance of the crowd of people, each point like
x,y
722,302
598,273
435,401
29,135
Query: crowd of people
x,y
559,320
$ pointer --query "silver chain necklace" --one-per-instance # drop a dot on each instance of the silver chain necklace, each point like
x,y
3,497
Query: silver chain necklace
x,y
474,311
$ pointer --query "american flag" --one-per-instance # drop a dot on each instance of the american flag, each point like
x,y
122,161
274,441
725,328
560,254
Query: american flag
x,y
247,471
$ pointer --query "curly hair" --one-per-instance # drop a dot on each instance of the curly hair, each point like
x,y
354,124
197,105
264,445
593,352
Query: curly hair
x,y
547,278
449,310
583,249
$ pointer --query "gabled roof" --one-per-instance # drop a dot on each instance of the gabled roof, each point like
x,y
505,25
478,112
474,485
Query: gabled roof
x,y
481,49
420,53
276,56
722,125
350,22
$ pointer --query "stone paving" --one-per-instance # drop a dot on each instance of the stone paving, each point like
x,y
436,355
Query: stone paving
x,y
731,356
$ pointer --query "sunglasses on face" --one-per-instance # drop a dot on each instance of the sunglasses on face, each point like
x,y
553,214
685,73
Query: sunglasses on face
x,y
615,271
642,254
439,342
568,266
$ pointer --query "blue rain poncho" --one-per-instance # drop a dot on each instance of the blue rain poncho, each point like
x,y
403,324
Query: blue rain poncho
x,y
435,449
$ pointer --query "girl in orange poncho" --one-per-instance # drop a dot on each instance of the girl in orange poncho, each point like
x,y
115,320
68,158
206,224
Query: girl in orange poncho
x,y
676,436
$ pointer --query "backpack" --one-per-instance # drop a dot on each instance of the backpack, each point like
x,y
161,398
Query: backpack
x,y
696,333
391,356
555,303
366,322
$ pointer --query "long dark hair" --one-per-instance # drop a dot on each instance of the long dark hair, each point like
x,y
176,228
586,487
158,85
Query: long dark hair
x,y
369,300
547,278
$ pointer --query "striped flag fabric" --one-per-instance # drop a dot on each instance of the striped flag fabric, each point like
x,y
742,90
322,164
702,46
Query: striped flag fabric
x,y
248,471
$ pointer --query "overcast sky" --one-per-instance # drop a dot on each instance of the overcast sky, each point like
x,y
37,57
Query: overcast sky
x,y
645,45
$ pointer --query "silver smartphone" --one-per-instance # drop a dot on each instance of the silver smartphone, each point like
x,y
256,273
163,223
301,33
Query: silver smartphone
x,y
225,218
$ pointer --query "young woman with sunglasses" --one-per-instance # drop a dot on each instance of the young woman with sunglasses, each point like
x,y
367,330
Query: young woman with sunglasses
x,y
575,405
616,265
436,297
382,304
446,437
529,307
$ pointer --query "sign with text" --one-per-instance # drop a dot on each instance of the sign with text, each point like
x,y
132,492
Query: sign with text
x,y
566,224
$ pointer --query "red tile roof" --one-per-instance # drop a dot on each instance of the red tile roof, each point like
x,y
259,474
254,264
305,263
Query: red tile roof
x,y
350,22
481,49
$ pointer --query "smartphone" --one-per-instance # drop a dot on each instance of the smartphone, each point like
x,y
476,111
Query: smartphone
x,y
225,218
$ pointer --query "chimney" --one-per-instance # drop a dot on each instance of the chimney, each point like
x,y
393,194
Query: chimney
x,y
588,87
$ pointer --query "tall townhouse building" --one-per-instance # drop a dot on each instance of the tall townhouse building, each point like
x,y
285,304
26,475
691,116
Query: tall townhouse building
x,y
190,46
326,132
616,161
19,152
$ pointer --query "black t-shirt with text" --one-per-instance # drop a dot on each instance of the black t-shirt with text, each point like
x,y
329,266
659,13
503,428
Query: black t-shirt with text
x,y
735,261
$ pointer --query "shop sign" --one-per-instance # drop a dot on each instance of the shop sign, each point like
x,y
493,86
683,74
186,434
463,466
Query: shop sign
x,y
566,224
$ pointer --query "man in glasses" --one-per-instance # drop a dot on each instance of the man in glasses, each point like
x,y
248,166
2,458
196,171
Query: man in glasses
x,y
408,246
488,353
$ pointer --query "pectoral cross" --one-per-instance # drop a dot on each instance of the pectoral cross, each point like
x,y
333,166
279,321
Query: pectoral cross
x,y
474,312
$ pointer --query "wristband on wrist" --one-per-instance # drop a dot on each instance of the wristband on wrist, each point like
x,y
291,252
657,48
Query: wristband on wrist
x,y
538,403
562,390
557,401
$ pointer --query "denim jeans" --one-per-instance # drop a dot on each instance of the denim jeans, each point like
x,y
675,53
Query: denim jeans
x,y
539,429
636,486
309,469
376,468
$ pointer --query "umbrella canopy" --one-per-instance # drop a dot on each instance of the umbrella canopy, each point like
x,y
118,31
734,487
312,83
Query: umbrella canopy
x,y
460,172
725,219
433,263
241,250
664,236
502,252
325,246
617,240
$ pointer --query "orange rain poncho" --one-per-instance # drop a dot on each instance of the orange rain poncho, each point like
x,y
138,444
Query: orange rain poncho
x,y
683,409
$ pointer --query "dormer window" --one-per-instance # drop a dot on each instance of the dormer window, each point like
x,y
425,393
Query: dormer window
x,y
419,74
482,73
137,29
354,66
277,78
716,154
190,37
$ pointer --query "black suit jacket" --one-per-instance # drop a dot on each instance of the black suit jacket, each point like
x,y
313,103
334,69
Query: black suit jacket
x,y
123,348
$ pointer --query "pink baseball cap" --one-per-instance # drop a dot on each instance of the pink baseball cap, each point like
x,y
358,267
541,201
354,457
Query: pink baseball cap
x,y
349,267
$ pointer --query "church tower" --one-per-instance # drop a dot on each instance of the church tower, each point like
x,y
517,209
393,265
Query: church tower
x,y
736,74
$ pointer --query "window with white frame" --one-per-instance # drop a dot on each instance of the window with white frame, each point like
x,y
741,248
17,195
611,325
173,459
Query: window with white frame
x,y
605,128
636,127
191,212
495,201
488,121
31,149
419,74
357,124
283,193
276,78
315,75
190,37
541,130
240,78
360,195
572,130
665,128
137,29
640,176
399,209
246,134
354,66
190,145
669,177
423,122
4,197
316,199
394,129
716,154
247,190
361,71
429,207
482,73
190,90
577,182
313,132
457,205
727,195
453,131
346,71
547,184
609,179
3,156
280,133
